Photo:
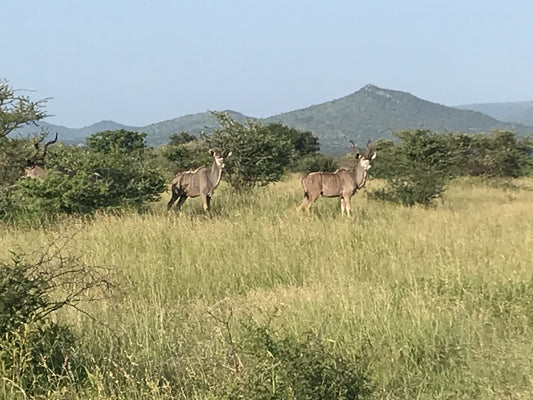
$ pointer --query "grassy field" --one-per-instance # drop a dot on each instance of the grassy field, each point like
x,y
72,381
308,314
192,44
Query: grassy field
x,y
424,303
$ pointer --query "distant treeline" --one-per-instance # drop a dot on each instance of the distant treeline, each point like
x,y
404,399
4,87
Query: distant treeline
x,y
129,174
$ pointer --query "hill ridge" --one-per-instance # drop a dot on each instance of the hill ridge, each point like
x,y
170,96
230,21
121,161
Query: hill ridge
x,y
370,112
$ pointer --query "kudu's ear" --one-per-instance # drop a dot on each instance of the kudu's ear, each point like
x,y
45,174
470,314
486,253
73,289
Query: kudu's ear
x,y
228,154
373,156
212,152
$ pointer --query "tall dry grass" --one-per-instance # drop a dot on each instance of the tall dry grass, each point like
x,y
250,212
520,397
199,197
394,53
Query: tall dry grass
x,y
438,302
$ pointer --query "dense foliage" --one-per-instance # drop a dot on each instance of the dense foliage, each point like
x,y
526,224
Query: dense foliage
x,y
16,110
112,170
185,153
260,154
300,153
294,368
418,167
258,157
38,354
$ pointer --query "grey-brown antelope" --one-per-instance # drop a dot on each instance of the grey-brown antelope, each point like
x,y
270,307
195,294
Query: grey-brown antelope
x,y
35,164
200,182
342,183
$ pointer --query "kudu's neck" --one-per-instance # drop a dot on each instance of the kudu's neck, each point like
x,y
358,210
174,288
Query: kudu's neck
x,y
359,175
215,173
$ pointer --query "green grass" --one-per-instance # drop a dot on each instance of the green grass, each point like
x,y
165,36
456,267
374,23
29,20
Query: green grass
x,y
437,303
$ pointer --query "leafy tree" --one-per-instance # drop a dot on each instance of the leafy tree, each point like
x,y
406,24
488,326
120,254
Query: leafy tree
x,y
121,159
13,154
499,154
496,154
305,156
259,155
120,141
416,170
188,155
314,162
461,153
387,157
177,139
61,193
17,110
303,142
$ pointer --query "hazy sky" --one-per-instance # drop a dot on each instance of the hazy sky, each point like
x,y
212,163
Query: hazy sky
x,y
140,62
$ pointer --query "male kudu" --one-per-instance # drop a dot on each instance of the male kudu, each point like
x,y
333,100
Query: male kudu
x,y
201,182
342,183
35,164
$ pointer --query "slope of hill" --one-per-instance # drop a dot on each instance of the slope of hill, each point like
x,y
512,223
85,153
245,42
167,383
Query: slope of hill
x,y
519,111
375,113
371,112
158,134
70,135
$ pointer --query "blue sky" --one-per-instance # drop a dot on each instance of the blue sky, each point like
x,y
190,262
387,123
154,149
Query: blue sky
x,y
140,62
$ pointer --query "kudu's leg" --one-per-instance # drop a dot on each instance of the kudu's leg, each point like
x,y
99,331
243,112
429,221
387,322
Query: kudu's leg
x,y
206,200
172,200
311,199
181,201
347,206
303,202
343,206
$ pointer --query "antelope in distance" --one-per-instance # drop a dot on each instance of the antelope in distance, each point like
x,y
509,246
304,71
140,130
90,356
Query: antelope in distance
x,y
201,182
35,164
341,183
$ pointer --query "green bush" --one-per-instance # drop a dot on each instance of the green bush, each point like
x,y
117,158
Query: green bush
x,y
417,187
42,357
36,353
314,162
499,154
291,368
416,170
259,155
114,170
13,153
21,297
187,155
60,193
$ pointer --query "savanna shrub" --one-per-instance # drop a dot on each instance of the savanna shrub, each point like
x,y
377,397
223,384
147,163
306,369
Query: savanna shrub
x,y
499,154
21,297
60,193
259,155
42,357
37,354
187,155
314,162
416,170
114,170
295,368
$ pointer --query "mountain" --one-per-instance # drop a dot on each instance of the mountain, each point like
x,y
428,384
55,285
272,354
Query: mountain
x,y
374,113
158,134
370,112
519,111
70,135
